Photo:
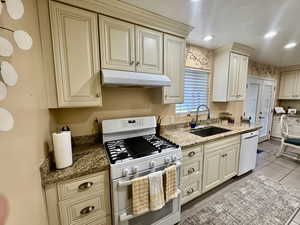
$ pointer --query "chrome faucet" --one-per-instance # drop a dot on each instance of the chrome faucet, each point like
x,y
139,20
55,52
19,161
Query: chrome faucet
x,y
207,109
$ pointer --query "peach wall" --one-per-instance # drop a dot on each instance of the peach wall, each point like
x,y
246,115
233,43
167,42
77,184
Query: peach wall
x,y
125,102
22,149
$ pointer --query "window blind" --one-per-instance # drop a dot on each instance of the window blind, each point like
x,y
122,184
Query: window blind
x,y
195,90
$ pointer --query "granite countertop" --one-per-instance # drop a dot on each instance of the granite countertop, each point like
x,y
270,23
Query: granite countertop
x,y
87,159
183,138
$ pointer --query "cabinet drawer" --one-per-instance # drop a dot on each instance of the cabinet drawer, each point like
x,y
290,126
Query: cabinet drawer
x,y
80,210
102,221
192,152
191,188
83,185
191,167
220,144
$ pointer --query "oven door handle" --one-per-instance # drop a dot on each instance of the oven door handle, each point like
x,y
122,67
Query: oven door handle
x,y
129,182
126,217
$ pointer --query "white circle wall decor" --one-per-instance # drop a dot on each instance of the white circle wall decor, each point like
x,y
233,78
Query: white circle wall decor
x,y
3,91
9,74
6,48
6,120
23,39
15,8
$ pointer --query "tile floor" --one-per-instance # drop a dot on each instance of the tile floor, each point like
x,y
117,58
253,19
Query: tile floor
x,y
284,170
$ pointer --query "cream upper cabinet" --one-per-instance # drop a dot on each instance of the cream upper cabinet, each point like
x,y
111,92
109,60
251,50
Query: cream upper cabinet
x,y
149,50
125,46
290,85
238,72
174,60
76,56
230,73
242,78
117,44
233,82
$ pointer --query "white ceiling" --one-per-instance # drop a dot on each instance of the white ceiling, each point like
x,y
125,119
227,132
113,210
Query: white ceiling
x,y
243,21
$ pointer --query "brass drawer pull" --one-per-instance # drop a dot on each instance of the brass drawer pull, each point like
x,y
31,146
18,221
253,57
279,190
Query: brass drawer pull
x,y
191,170
191,191
85,186
132,62
224,155
87,210
191,154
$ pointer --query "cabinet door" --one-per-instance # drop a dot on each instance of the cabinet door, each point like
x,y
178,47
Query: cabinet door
x,y
233,77
174,59
287,85
212,176
230,161
149,50
242,77
297,85
117,44
76,56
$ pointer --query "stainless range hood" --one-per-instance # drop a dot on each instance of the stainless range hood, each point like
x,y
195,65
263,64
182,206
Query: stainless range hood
x,y
126,78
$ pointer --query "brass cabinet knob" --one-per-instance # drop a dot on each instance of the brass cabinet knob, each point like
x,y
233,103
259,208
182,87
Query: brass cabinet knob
x,y
87,210
85,186
191,154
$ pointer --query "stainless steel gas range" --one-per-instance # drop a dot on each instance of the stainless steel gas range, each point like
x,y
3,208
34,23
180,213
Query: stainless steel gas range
x,y
135,150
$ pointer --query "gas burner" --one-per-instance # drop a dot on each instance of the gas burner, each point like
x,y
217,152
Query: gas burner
x,y
159,143
136,147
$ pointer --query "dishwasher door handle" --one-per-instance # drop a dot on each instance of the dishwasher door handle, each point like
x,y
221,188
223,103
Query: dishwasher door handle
x,y
250,137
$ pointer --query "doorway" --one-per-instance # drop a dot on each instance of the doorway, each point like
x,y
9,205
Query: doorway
x,y
259,104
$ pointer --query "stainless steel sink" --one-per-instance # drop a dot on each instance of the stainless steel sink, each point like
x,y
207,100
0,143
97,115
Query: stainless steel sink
x,y
209,131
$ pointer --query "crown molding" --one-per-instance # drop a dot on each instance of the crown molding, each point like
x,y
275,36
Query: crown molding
x,y
237,48
133,14
289,68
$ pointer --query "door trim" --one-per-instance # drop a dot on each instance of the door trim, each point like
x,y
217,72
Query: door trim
x,y
260,79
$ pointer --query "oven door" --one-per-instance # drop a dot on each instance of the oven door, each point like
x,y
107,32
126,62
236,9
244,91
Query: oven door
x,y
122,204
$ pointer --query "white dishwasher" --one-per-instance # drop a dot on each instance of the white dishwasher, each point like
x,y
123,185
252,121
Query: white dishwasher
x,y
248,152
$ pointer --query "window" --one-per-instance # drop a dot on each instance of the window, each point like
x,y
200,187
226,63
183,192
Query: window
x,y
195,90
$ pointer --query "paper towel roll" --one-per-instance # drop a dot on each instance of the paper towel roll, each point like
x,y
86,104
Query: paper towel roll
x,y
62,149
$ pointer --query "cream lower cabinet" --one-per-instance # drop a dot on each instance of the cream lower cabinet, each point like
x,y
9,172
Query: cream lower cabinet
x,y
76,56
191,173
81,201
290,85
125,46
174,60
221,160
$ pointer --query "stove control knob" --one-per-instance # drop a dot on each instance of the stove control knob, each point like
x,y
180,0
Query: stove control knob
x,y
174,158
135,169
125,172
167,160
152,164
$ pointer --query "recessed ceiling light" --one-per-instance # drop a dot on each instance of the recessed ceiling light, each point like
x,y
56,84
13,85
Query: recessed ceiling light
x,y
208,38
270,34
195,0
290,45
